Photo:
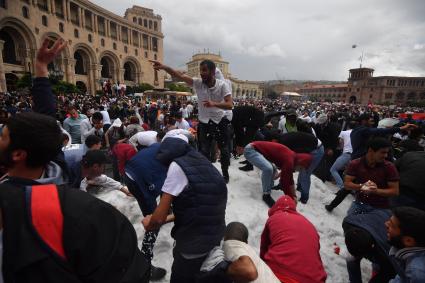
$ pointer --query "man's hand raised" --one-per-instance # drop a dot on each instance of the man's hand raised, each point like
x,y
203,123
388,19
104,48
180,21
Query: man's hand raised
x,y
157,65
46,55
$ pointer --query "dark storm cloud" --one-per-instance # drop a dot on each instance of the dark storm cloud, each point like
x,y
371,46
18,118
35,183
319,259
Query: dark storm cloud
x,y
304,39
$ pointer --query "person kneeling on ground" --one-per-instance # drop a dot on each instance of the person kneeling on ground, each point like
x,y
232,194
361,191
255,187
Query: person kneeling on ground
x,y
264,154
236,261
95,181
406,233
290,245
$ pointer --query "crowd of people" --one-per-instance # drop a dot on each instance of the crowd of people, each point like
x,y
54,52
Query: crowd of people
x,y
55,151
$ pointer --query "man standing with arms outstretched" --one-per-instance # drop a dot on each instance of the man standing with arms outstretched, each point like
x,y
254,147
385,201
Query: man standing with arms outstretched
x,y
214,98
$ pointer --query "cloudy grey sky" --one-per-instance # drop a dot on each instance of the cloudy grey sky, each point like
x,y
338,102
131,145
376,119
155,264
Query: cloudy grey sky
x,y
293,39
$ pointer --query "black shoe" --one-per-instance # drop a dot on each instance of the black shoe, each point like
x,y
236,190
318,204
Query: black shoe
x,y
268,200
226,176
340,196
247,168
244,162
277,188
157,273
303,201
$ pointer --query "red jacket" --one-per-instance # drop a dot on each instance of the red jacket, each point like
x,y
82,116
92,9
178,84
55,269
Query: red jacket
x,y
285,159
290,244
123,152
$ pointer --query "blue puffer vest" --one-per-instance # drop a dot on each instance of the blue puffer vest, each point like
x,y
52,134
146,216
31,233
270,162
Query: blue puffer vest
x,y
147,171
200,208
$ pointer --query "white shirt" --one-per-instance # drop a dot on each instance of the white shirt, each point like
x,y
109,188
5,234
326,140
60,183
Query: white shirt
x,y
345,136
176,180
216,94
233,250
184,125
106,118
102,183
189,108
185,112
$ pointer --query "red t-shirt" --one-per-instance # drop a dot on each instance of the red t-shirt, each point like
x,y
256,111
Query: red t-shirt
x,y
381,174
123,152
282,157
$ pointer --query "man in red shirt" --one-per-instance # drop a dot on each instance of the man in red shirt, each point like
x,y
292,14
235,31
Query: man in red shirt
x,y
123,152
373,178
290,245
264,155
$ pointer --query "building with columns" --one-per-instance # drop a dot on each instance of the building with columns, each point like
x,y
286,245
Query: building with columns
x,y
101,44
241,88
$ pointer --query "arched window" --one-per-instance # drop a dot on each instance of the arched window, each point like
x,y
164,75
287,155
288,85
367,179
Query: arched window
x,y
125,49
25,12
76,33
102,42
61,27
155,26
145,23
79,64
134,20
155,57
140,21
114,45
89,38
44,21
129,71
150,24
136,52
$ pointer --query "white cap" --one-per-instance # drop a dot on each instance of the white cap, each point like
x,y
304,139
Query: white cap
x,y
178,133
146,138
117,123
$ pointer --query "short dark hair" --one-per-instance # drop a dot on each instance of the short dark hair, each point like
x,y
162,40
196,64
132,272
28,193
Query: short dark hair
x,y
39,135
378,143
179,115
210,64
97,116
412,223
93,157
236,231
91,140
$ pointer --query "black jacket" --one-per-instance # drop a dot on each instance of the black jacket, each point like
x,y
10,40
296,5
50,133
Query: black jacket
x,y
100,243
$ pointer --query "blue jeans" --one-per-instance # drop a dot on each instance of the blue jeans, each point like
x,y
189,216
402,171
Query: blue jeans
x,y
258,160
305,174
338,165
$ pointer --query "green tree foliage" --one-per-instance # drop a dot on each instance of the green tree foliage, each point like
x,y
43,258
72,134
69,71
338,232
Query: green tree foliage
x,y
178,87
24,82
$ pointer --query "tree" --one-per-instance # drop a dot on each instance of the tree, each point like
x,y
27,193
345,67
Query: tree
x,y
273,95
142,88
178,87
64,87
24,82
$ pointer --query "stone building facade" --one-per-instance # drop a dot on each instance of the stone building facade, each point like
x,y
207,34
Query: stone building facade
x,y
240,88
329,92
362,87
101,45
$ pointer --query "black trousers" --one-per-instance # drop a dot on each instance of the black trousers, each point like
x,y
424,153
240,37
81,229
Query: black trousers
x,y
147,207
185,270
207,133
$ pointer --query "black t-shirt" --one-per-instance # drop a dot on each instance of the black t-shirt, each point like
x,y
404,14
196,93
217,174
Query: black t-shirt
x,y
299,142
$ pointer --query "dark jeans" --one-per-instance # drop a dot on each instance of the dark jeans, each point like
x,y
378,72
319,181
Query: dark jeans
x,y
147,206
185,270
207,133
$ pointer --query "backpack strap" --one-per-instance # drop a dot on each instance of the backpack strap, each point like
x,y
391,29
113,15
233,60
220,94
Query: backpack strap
x,y
45,214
